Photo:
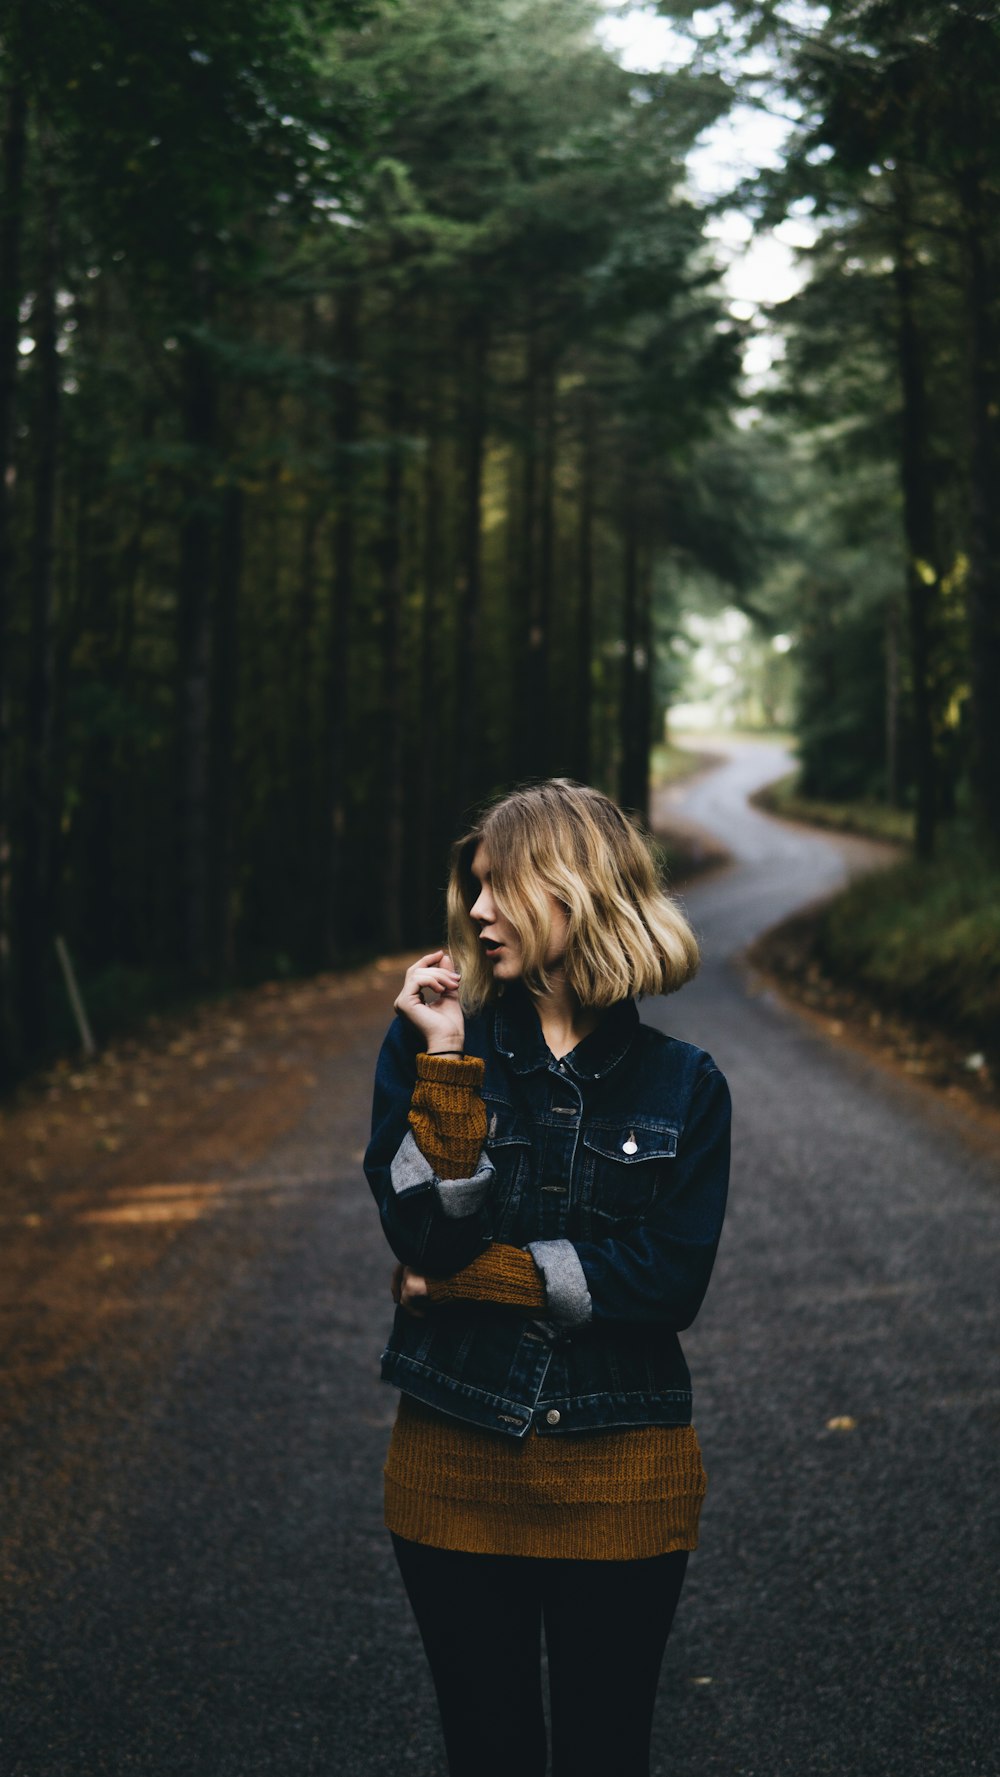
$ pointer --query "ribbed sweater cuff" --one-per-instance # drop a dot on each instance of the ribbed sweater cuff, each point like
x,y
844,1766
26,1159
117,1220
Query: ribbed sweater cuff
x,y
447,1115
451,1070
504,1274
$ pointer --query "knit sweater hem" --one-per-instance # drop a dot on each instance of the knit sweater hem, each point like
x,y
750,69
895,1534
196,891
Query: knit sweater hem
x,y
630,1531
602,1496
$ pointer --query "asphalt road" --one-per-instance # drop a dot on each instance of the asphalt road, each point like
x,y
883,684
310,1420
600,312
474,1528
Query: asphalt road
x,y
195,1575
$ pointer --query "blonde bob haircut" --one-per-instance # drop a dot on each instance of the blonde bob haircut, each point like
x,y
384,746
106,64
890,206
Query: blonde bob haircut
x,y
626,934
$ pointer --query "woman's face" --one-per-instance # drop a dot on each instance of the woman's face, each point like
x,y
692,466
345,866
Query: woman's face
x,y
499,941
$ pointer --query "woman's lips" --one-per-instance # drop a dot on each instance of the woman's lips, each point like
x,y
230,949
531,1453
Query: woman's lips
x,y
491,949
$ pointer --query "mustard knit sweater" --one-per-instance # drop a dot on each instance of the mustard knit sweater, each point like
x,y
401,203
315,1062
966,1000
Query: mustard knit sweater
x,y
599,1496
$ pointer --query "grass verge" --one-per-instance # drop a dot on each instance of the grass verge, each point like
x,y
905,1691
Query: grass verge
x,y
873,819
909,959
670,765
925,939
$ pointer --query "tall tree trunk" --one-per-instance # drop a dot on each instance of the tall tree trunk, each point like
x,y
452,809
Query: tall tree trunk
x,y
307,780
308,790
431,687
630,619
585,595
391,715
528,640
644,684
979,215
105,894
347,428
549,740
15,143
225,673
127,860
11,229
39,821
922,571
197,573
468,743
634,710
892,701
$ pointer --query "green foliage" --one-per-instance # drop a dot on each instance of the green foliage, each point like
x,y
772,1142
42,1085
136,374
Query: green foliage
x,y
924,939
889,394
182,125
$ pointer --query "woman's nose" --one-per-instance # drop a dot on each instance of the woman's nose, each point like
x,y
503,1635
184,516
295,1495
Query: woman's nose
x,y
481,909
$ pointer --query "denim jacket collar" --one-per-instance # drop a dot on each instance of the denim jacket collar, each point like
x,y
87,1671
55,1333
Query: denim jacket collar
x,y
518,1036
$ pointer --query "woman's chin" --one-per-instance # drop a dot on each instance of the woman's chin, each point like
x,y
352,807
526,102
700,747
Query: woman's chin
x,y
505,968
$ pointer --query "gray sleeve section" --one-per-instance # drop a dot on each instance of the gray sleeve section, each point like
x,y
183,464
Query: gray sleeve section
x,y
463,1196
566,1289
411,1171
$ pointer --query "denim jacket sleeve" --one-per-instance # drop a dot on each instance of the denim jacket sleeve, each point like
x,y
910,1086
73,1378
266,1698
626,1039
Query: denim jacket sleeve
x,y
659,1269
435,1225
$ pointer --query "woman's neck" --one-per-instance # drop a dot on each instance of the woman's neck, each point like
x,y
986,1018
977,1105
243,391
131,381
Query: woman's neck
x,y
563,1020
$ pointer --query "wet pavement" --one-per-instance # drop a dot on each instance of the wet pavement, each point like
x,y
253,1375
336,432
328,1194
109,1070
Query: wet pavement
x,y
195,1577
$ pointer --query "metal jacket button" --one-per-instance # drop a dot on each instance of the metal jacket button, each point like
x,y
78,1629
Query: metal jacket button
x,y
553,1416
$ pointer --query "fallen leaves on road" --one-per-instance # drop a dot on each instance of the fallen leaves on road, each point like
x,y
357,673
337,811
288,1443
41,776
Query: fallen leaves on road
x,y
99,1158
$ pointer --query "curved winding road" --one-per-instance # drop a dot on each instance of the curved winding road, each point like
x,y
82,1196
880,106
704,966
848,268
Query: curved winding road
x,y
195,1575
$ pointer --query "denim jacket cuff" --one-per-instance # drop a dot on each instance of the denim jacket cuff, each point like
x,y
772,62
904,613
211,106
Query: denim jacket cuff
x,y
411,1171
566,1291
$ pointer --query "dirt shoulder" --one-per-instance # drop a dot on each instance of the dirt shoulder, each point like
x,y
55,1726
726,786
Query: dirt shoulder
x,y
106,1162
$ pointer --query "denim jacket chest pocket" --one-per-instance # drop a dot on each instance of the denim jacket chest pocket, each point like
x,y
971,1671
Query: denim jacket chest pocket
x,y
508,1144
626,1164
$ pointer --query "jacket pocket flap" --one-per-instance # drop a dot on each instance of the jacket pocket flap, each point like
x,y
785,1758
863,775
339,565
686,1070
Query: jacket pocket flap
x,y
632,1141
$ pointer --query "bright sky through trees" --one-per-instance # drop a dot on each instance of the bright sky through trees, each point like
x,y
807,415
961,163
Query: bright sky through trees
x,y
762,266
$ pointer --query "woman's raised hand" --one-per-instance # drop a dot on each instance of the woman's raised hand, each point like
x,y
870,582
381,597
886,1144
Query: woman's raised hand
x,y
442,1024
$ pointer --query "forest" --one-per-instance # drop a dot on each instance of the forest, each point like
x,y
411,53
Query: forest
x,y
372,409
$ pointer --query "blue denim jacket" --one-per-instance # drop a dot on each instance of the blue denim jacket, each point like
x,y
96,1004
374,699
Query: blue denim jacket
x,y
611,1167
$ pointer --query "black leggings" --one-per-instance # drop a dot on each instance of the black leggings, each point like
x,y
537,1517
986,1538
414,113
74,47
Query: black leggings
x,y
606,1626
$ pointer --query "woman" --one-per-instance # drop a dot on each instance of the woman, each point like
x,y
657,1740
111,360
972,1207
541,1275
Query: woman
x,y
551,1175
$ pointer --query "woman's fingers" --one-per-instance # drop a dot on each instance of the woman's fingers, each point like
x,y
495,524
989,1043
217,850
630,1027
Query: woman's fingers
x,y
437,979
412,1000
437,959
439,1016
437,962
440,981
413,1292
427,977
409,1290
